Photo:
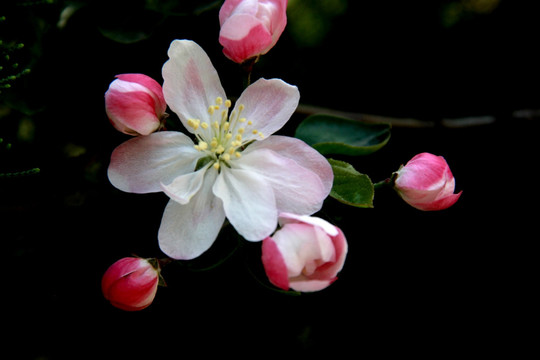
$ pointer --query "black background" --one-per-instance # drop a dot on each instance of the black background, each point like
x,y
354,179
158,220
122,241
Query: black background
x,y
451,283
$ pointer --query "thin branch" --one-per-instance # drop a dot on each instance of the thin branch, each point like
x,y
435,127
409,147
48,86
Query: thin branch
x,y
402,122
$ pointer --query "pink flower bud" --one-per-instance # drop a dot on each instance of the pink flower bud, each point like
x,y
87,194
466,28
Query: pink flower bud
x,y
250,28
130,283
426,183
135,104
305,254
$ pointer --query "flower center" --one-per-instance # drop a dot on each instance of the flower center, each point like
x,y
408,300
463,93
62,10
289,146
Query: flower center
x,y
222,139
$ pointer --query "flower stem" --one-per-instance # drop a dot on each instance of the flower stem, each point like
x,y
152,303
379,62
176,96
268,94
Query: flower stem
x,y
386,182
248,68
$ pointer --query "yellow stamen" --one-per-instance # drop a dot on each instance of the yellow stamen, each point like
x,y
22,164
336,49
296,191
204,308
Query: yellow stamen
x,y
193,123
203,145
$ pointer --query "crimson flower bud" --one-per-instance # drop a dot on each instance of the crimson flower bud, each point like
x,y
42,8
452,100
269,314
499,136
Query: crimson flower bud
x,y
135,104
130,283
250,28
426,183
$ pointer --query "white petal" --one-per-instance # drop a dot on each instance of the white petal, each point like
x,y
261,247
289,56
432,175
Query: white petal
x,y
140,165
184,187
189,230
297,190
303,248
288,218
301,153
191,83
248,202
268,104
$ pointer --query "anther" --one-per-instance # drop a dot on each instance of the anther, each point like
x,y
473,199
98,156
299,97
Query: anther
x,y
194,123
228,103
219,100
202,145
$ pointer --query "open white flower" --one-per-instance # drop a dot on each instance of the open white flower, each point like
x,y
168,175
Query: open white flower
x,y
234,169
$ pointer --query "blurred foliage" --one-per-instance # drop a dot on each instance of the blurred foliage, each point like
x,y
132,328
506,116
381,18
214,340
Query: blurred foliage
x,y
310,21
130,21
456,11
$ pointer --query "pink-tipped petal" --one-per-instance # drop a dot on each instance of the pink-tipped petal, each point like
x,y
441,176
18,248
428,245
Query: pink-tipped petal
x,y
152,85
440,204
250,28
312,251
269,104
274,265
296,189
134,104
243,37
141,164
301,153
289,218
132,113
191,83
304,284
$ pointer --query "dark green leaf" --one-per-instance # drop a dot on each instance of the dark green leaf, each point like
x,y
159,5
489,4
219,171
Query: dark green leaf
x,y
351,187
336,135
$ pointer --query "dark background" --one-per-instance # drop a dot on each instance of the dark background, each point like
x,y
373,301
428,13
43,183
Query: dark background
x,y
451,283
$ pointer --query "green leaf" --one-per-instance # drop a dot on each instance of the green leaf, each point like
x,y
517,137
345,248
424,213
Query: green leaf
x,y
351,187
336,135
